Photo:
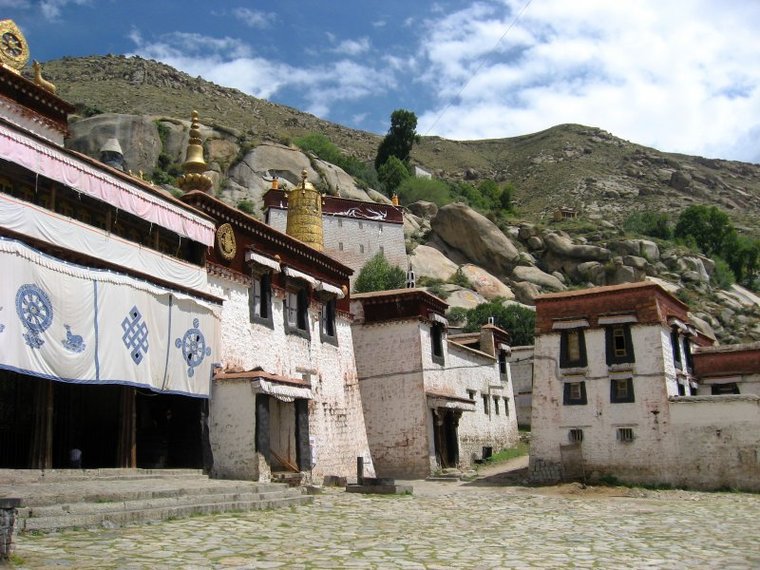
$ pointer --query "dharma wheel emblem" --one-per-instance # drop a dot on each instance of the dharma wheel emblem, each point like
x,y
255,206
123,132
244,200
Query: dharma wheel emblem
x,y
14,52
225,241
35,312
193,347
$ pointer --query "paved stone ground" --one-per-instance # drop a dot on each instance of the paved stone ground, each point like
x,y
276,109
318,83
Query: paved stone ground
x,y
443,525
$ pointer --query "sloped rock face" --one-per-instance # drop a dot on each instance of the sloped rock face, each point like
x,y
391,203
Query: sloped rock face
x,y
479,239
537,277
137,135
486,284
563,246
429,262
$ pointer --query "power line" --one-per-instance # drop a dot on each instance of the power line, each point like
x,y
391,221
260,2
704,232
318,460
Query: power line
x,y
480,66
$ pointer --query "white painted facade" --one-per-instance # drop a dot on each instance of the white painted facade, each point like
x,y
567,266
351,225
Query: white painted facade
x,y
403,387
665,433
654,379
336,424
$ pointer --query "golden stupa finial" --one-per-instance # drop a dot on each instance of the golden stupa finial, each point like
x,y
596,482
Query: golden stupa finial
x,y
194,166
394,199
305,214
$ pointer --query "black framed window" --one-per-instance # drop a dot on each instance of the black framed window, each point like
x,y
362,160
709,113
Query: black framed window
x,y
621,390
297,312
687,354
260,300
436,342
729,388
328,332
572,348
502,362
676,349
574,394
619,344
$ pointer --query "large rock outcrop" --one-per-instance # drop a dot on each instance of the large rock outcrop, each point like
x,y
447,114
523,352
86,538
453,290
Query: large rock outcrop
x,y
137,135
427,261
479,239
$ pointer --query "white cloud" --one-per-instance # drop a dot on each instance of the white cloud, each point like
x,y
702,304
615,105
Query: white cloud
x,y
352,47
682,78
254,18
51,9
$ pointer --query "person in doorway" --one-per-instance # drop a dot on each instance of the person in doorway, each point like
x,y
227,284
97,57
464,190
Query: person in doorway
x,y
75,458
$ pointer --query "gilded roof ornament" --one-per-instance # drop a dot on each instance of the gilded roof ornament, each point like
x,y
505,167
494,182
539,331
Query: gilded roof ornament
x,y
14,51
39,80
305,214
194,166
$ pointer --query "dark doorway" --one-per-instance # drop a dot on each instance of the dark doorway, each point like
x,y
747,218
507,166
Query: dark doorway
x,y
46,424
445,424
169,430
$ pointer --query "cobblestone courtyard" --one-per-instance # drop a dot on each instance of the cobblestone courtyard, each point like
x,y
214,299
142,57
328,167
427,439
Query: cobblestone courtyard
x,y
443,525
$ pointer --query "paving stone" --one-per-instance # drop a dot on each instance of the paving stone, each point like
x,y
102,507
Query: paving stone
x,y
441,526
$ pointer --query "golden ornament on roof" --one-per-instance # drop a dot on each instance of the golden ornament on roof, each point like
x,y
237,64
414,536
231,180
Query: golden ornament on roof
x,y
194,166
305,214
14,51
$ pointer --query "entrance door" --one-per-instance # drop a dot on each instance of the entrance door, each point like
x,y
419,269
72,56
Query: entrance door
x,y
445,424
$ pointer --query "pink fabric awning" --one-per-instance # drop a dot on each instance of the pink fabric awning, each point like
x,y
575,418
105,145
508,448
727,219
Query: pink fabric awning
x,y
57,165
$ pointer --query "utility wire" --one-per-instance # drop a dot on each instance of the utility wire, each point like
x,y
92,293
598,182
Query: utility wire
x,y
480,66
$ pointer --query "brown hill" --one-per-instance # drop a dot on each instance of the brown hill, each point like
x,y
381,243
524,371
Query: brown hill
x,y
567,165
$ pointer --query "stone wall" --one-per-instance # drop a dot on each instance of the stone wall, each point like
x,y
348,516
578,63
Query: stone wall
x,y
715,442
336,421
521,366
389,361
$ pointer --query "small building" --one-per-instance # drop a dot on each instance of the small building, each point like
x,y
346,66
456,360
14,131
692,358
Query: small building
x,y
354,231
420,172
285,400
565,213
616,393
431,401
730,369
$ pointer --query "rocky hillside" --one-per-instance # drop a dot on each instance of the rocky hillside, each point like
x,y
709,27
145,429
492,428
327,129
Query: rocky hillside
x,y
147,104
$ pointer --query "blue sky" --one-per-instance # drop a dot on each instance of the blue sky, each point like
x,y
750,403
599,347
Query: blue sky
x,y
679,76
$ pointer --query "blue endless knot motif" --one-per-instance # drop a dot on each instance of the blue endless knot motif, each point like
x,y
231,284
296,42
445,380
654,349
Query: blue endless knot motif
x,y
73,342
135,335
193,346
35,312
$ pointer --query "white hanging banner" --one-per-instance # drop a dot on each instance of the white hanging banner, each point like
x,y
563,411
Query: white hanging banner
x,y
67,322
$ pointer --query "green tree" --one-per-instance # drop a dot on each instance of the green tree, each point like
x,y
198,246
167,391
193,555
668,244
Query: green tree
x,y
413,189
391,174
517,320
649,223
379,275
400,138
709,226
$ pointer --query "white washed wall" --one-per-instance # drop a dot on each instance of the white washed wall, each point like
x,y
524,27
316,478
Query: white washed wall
x,y
336,422
388,359
648,416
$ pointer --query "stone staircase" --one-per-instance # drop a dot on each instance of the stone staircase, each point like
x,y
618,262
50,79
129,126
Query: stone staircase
x,y
59,499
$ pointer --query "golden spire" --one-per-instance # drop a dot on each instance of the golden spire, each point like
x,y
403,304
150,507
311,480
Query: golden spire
x,y
194,166
305,214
